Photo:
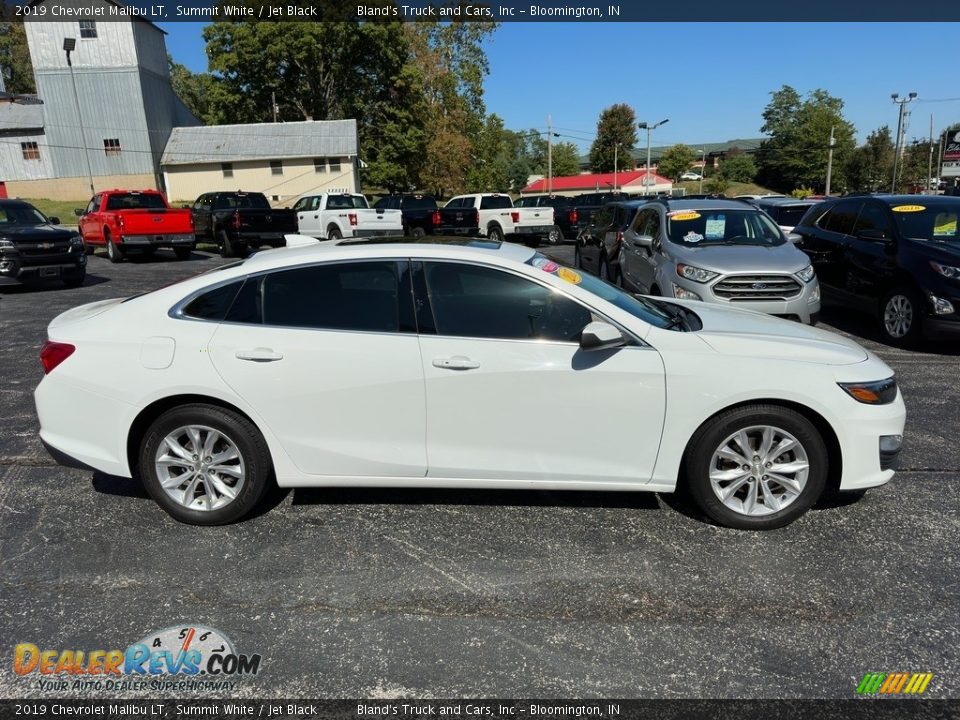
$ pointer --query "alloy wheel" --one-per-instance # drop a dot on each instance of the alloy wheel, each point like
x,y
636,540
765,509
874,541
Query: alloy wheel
x,y
898,316
200,468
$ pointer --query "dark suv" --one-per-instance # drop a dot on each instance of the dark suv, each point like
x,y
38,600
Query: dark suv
x,y
897,256
32,247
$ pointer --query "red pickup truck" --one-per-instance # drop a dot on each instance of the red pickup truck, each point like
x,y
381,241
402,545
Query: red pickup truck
x,y
135,221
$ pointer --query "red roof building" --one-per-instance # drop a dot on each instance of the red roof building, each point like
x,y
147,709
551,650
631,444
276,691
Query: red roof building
x,y
628,181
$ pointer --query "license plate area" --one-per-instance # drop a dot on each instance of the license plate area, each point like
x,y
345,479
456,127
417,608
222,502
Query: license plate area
x,y
50,272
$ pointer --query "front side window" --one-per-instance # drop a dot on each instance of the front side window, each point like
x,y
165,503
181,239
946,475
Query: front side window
x,y
360,296
482,302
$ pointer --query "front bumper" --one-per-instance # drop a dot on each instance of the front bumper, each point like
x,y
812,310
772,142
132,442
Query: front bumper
x,y
14,270
866,464
804,307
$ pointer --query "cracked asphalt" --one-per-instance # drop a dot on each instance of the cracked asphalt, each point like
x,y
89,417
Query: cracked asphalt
x,y
433,593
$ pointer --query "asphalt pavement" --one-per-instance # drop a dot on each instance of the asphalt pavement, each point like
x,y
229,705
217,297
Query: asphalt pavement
x,y
434,593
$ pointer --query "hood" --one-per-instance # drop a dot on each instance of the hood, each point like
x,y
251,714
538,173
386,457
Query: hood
x,y
742,259
36,233
84,312
746,333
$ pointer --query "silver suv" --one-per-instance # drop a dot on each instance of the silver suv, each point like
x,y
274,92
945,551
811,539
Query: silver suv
x,y
718,251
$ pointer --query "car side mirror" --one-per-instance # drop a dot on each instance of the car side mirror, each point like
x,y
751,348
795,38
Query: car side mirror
x,y
873,235
78,212
644,241
54,220
601,336
794,237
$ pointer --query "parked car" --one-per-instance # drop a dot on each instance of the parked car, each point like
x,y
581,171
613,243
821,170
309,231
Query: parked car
x,y
691,175
718,251
135,221
565,216
609,224
419,212
238,221
785,212
492,215
587,204
32,247
332,216
457,365
894,256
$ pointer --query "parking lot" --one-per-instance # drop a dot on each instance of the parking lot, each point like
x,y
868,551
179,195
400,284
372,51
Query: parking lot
x,y
378,593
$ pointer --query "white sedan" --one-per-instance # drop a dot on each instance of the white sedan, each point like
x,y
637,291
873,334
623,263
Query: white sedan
x,y
462,365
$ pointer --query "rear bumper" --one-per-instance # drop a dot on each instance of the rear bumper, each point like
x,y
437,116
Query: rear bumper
x,y
62,458
133,242
532,230
456,230
14,272
398,232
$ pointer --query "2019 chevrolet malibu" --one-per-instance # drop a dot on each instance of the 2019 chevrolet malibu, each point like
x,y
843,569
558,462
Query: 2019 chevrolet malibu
x,y
459,365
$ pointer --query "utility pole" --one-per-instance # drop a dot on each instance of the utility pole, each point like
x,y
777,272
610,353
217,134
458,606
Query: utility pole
x,y
549,155
900,129
930,160
649,128
616,149
703,169
830,161
69,46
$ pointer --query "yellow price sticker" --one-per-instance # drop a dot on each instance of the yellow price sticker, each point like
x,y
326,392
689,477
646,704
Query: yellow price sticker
x,y
681,216
908,208
569,275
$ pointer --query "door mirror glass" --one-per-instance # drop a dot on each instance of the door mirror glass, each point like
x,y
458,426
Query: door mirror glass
x,y
54,220
601,336
78,212
794,237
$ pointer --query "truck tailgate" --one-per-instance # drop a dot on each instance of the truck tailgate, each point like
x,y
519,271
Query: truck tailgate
x,y
377,219
534,216
156,222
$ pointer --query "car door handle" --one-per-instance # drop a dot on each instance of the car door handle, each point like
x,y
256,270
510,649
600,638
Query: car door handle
x,y
457,362
259,355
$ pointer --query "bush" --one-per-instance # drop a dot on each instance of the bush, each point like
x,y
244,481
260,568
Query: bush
x,y
801,192
717,184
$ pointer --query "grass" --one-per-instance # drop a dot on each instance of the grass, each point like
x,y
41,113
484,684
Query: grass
x,y
62,209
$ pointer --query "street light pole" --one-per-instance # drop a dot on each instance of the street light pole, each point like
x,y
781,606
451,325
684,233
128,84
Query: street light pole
x,y
896,156
649,128
616,149
830,162
69,45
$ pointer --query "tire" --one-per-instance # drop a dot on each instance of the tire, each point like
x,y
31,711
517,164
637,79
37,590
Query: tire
x,y
334,234
603,272
248,474
75,281
183,253
555,236
901,317
418,232
114,254
577,260
227,249
714,464
495,234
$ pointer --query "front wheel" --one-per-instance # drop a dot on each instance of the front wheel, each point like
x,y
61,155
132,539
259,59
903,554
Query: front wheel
x,y
204,465
756,467
901,317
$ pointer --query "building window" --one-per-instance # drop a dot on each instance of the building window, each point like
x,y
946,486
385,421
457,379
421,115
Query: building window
x,y
111,146
88,29
319,165
334,164
227,169
30,151
276,167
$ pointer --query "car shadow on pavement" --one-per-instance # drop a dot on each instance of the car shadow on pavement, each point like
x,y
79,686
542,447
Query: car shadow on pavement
x,y
445,496
863,326
53,285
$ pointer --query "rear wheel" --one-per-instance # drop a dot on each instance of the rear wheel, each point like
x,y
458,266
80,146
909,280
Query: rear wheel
x,y
418,232
494,233
114,254
334,234
756,467
226,245
555,236
603,272
204,465
901,316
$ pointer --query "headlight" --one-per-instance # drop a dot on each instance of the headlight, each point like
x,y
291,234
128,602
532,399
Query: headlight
x,y
881,392
807,274
948,271
683,294
694,273
6,244
76,241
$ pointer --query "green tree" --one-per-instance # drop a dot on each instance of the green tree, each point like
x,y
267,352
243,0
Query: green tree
x,y
675,161
717,184
15,56
799,130
617,125
566,159
870,166
738,167
200,92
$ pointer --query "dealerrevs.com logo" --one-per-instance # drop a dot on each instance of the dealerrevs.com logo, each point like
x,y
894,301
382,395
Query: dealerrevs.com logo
x,y
894,683
170,659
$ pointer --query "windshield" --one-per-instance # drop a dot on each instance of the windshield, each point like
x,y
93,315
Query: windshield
x,y
136,201
728,226
929,223
21,215
647,310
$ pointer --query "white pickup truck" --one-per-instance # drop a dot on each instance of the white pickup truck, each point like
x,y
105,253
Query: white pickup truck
x,y
493,215
335,216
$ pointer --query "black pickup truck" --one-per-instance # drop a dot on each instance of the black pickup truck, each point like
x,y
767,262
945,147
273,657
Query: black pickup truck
x,y
565,215
237,221
589,203
420,213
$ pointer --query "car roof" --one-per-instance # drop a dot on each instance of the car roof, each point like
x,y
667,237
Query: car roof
x,y
905,199
784,201
706,204
14,202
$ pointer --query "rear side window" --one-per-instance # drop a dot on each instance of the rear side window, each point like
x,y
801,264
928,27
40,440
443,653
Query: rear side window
x,y
213,304
362,296
495,202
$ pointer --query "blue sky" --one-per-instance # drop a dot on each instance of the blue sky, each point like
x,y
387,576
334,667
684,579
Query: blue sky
x,y
711,80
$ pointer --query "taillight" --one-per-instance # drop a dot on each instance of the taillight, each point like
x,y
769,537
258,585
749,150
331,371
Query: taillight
x,y
436,218
476,218
353,219
515,217
573,216
237,222
54,353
